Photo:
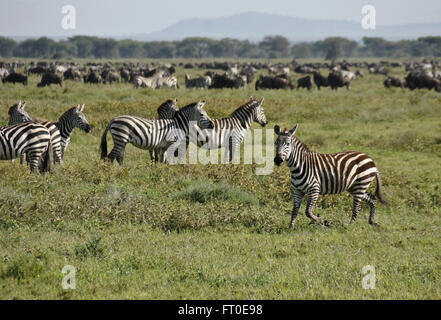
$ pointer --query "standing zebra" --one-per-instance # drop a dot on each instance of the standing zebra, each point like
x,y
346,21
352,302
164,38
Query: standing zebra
x,y
31,138
60,130
314,173
18,114
152,134
167,110
230,131
71,119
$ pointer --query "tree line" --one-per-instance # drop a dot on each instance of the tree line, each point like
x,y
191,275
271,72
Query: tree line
x,y
197,47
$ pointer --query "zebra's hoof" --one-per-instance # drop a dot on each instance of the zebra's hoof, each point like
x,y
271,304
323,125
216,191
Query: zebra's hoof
x,y
327,223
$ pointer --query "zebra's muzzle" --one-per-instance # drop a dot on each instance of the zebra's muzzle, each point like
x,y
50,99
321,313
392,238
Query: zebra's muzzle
x,y
278,160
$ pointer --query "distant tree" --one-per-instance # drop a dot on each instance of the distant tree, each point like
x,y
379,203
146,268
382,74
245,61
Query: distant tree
x,y
105,48
195,48
84,45
131,49
7,47
302,50
275,46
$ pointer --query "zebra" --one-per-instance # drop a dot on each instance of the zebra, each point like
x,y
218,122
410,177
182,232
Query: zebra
x,y
152,134
69,120
18,114
60,130
230,131
167,110
314,173
31,138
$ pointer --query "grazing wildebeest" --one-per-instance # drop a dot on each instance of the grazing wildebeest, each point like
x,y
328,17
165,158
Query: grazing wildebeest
x,y
72,74
305,82
224,81
394,82
110,76
422,80
278,82
92,77
16,77
319,80
337,79
200,82
50,78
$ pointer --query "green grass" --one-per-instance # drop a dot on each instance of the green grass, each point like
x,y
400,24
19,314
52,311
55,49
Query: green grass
x,y
157,231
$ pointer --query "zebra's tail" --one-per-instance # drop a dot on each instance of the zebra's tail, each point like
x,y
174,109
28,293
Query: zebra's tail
x,y
103,145
47,158
378,192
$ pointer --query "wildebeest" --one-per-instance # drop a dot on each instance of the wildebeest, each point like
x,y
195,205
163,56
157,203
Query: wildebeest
x,y
338,79
394,82
200,82
305,82
277,82
224,81
50,78
422,80
72,74
110,76
319,80
92,77
16,77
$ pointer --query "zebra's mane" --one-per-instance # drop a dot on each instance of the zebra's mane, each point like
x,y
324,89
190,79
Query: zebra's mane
x,y
296,140
12,108
66,114
187,107
247,106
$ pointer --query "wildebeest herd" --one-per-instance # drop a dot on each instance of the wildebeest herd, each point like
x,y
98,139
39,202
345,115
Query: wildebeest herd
x,y
425,74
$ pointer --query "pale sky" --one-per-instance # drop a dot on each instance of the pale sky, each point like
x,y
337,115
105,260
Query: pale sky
x,y
117,18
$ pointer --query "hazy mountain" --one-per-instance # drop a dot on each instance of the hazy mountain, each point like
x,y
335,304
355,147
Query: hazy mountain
x,y
254,26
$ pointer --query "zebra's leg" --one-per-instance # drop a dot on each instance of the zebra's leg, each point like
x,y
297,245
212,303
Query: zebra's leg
x,y
372,201
118,153
356,207
298,196
58,156
312,200
22,158
34,161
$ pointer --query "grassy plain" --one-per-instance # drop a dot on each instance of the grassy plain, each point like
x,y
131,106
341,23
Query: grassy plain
x,y
157,231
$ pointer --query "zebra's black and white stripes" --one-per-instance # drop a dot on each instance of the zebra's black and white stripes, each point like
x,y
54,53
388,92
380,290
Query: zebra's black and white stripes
x,y
71,119
229,132
314,173
18,114
166,110
60,130
31,138
153,134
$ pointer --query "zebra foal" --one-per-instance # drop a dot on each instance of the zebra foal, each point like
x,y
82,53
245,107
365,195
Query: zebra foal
x,y
314,173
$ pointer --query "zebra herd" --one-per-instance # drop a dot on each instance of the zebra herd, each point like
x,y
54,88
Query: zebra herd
x,y
312,173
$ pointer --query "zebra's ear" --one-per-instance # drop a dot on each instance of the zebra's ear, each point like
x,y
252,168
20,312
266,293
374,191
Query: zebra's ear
x,y
293,130
277,129
82,107
260,102
23,105
201,104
